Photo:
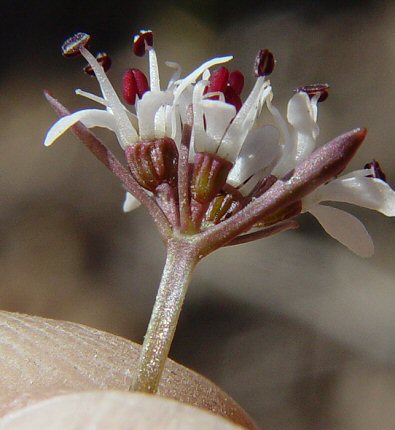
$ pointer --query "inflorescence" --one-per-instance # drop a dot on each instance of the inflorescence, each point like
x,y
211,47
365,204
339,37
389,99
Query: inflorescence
x,y
194,149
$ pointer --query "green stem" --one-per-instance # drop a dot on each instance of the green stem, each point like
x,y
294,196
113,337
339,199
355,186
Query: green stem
x,y
180,263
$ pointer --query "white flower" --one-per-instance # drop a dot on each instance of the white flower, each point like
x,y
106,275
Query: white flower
x,y
225,128
159,113
156,112
359,188
298,136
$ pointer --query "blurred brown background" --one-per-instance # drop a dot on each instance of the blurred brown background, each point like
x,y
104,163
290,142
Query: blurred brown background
x,y
300,331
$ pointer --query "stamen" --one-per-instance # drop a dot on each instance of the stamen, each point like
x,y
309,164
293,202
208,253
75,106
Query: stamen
x,y
134,83
71,47
264,63
232,98
125,132
315,90
236,81
153,70
103,59
228,84
218,81
141,41
376,170
92,97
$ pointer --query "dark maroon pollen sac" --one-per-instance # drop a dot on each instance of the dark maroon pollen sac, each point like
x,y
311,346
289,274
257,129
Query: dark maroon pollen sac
x,y
264,63
71,47
377,171
141,41
320,90
232,98
230,84
134,84
103,59
218,81
236,81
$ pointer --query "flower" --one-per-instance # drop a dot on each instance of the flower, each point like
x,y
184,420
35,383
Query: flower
x,y
362,188
229,162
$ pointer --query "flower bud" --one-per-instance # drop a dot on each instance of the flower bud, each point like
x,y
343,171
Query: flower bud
x,y
209,176
153,163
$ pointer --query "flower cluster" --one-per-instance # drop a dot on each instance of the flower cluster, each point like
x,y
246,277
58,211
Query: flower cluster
x,y
195,148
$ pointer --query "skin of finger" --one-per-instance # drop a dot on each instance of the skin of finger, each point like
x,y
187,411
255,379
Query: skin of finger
x,y
42,358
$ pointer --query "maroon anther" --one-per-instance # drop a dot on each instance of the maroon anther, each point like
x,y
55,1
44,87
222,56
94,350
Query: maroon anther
x,y
236,81
141,41
232,98
71,47
134,84
320,90
218,81
376,170
264,63
153,163
103,59
230,84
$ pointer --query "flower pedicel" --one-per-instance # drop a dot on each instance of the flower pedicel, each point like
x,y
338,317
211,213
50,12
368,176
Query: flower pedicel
x,y
209,176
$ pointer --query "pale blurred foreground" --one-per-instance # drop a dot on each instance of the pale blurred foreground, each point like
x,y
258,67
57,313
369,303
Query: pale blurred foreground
x,y
52,371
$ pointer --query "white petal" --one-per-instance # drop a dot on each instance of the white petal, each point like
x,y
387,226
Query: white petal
x,y
191,78
244,120
259,154
176,75
89,117
345,228
287,143
301,115
371,193
130,203
218,116
148,107
199,135
160,122
358,173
